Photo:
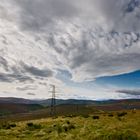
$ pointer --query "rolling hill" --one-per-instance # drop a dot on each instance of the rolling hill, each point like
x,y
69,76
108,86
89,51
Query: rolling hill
x,y
13,108
47,102
34,109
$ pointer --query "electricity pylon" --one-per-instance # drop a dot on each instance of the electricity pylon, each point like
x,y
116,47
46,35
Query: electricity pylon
x,y
53,102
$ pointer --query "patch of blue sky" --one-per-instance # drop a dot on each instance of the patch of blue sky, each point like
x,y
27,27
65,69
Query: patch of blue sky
x,y
129,80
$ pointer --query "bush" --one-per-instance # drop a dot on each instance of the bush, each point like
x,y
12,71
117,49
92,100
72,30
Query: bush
x,y
119,118
85,116
64,127
68,127
32,126
68,122
13,125
95,117
110,115
71,126
54,125
7,126
121,114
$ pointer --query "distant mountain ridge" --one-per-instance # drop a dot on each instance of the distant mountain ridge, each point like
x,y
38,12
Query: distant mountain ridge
x,y
15,100
47,102
41,108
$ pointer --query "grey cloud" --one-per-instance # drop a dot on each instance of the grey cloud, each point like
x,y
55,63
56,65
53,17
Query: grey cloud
x,y
35,15
95,53
3,63
87,51
14,77
120,15
21,72
32,94
43,84
4,78
130,92
21,78
38,72
28,87
132,5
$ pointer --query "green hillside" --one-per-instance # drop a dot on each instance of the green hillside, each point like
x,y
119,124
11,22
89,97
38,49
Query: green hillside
x,y
12,108
109,126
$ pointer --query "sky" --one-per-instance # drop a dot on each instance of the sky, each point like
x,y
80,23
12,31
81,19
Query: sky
x,y
87,49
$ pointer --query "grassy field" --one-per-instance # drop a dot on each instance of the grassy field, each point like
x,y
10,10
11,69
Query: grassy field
x,y
119,125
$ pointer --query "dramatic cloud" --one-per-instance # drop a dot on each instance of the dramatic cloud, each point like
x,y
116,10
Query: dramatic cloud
x,y
37,14
119,15
130,92
87,39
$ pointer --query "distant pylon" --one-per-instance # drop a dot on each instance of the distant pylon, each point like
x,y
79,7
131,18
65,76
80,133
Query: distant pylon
x,y
53,103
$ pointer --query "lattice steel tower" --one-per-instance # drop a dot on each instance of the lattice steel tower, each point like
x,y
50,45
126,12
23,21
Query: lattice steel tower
x,y
53,102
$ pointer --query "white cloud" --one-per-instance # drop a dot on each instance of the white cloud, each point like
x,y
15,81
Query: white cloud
x,y
89,39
